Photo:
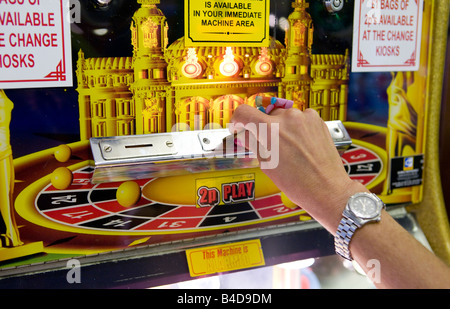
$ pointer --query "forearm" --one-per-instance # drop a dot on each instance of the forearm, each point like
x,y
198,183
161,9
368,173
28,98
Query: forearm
x,y
389,255
402,260
310,172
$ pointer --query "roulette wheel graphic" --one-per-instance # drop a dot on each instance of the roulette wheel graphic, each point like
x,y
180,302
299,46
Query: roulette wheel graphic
x,y
87,217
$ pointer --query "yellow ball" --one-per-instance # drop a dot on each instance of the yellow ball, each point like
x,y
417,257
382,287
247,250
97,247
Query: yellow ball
x,y
62,178
287,202
63,153
128,194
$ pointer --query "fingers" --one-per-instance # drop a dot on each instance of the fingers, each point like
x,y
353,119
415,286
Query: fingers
x,y
252,129
246,114
244,124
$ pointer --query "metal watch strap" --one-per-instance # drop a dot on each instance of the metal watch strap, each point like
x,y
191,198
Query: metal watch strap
x,y
347,228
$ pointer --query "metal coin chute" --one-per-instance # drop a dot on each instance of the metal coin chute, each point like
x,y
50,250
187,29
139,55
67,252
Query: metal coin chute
x,y
124,158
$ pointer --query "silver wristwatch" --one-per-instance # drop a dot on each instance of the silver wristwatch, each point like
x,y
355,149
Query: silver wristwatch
x,y
361,208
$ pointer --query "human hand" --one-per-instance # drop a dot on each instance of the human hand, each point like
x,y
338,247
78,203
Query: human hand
x,y
309,169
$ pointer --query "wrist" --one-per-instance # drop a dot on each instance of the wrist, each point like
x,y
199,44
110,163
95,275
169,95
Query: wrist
x,y
348,191
362,208
337,200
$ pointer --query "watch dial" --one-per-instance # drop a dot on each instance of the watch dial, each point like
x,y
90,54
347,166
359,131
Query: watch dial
x,y
364,207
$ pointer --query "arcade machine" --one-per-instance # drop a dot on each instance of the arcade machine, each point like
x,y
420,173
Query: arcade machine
x,y
79,71
445,133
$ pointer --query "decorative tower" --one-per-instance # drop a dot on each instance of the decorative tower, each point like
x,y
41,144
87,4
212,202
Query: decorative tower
x,y
83,100
299,39
149,38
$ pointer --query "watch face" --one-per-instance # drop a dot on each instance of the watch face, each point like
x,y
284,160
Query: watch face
x,y
364,207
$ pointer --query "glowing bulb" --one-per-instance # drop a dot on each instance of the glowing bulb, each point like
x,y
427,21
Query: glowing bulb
x,y
265,67
228,68
190,69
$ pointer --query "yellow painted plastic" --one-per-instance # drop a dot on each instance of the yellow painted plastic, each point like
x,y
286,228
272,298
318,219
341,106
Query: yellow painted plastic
x,y
184,187
14,247
128,194
21,251
224,258
63,153
11,237
163,88
61,178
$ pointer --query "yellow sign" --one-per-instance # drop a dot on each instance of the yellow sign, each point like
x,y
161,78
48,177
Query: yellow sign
x,y
230,22
225,190
224,258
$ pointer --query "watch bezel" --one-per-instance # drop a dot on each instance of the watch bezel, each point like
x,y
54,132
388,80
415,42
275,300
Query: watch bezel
x,y
376,214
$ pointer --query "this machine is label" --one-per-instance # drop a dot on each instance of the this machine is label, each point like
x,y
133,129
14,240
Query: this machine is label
x,y
224,258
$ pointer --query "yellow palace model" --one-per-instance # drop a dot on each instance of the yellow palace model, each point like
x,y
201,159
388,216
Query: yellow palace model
x,y
165,88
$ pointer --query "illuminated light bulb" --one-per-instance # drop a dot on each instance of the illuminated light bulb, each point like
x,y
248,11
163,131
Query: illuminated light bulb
x,y
190,69
264,68
229,67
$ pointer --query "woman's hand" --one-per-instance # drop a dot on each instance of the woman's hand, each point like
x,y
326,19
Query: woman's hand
x,y
309,169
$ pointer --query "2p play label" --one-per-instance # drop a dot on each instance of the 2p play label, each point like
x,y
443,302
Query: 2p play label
x,y
225,190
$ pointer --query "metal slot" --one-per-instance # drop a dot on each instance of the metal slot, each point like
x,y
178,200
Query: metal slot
x,y
130,147
138,146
